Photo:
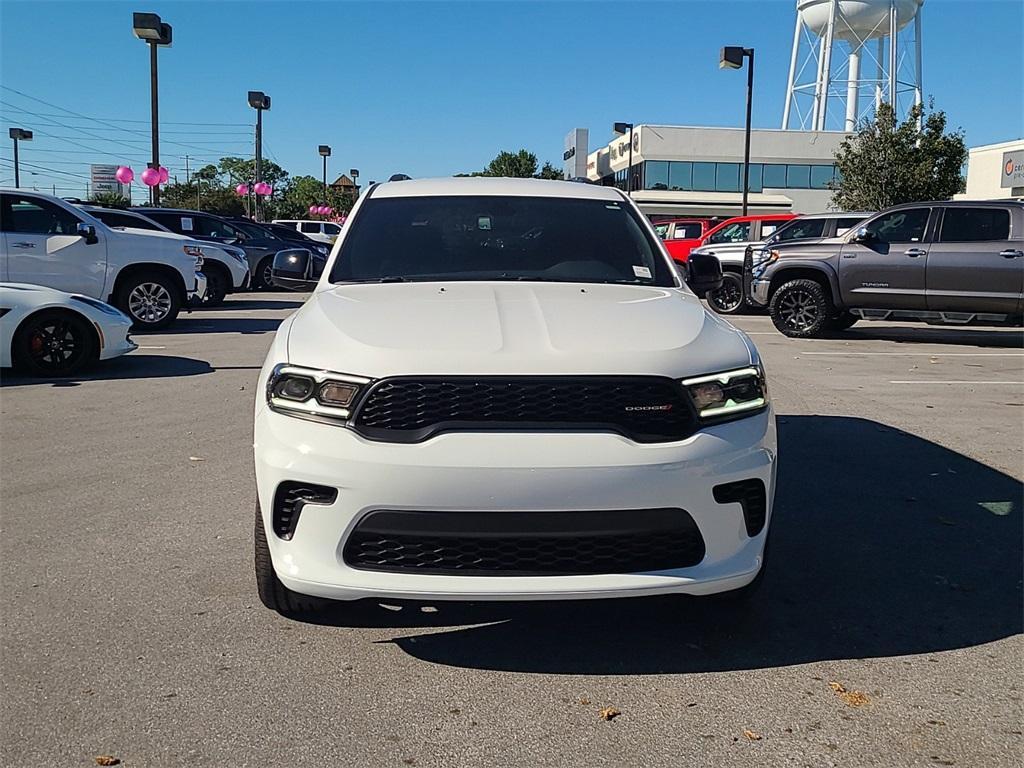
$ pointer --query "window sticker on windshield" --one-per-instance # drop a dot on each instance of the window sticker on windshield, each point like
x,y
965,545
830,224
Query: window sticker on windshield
x,y
483,222
642,272
186,224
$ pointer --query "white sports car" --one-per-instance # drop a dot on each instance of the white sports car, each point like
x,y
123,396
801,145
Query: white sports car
x,y
45,331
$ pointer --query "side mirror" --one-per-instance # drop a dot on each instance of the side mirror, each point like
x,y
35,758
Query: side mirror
x,y
293,270
703,273
87,232
863,236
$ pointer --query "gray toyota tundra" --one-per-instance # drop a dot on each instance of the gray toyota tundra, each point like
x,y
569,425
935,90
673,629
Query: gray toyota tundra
x,y
945,262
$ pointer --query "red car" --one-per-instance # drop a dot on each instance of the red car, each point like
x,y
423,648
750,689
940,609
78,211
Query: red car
x,y
735,233
682,235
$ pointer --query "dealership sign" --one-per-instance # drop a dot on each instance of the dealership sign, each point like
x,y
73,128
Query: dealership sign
x,y
104,180
1013,169
574,157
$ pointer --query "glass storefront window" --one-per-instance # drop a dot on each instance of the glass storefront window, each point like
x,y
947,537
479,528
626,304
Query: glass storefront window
x,y
727,177
798,176
756,170
680,176
774,176
821,176
656,174
704,177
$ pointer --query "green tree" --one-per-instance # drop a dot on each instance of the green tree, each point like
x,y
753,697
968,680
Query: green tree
x,y
110,200
300,192
517,165
213,198
234,170
886,162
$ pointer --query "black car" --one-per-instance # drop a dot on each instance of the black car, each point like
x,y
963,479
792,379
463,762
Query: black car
x,y
259,245
292,237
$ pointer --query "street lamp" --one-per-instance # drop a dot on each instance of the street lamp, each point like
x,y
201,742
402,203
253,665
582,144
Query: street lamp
x,y
354,173
627,128
151,30
18,134
325,152
259,101
732,58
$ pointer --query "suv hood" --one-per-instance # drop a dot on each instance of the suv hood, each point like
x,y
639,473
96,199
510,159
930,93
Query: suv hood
x,y
390,329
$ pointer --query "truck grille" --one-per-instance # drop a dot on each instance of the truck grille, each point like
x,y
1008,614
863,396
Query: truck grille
x,y
646,409
525,543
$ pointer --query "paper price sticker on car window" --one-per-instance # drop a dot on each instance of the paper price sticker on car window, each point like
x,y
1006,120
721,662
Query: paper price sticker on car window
x,y
186,224
642,272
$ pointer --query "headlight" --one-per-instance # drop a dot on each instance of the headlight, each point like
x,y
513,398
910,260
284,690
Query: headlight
x,y
312,394
195,251
732,394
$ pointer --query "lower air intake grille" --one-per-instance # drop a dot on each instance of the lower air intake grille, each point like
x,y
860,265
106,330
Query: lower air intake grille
x,y
289,500
750,495
644,408
525,543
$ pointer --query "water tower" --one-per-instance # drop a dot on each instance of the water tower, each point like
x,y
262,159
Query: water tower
x,y
855,54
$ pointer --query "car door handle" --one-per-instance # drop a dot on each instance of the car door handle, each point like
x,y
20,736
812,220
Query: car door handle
x,y
23,245
915,252
1011,254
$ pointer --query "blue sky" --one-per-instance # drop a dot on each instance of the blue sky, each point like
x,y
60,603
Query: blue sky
x,y
434,88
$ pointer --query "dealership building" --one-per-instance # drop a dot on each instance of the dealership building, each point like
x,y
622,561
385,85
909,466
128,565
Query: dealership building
x,y
995,171
687,170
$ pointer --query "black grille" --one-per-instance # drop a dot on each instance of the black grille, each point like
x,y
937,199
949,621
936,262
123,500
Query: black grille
x,y
750,494
525,543
646,409
291,497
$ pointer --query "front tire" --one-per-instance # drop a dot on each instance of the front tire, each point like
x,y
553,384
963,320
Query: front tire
x,y
150,299
273,594
55,343
801,309
261,277
217,285
729,299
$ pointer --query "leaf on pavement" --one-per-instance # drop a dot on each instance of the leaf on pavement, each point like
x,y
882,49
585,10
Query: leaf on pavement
x,y
196,458
107,760
608,713
751,736
850,698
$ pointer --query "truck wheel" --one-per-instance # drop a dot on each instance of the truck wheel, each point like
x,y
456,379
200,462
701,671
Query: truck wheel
x,y
275,595
217,284
728,300
801,309
150,299
54,342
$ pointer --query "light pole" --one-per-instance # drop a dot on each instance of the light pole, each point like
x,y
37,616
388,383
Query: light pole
x,y
18,134
150,29
325,152
732,58
354,173
627,128
259,101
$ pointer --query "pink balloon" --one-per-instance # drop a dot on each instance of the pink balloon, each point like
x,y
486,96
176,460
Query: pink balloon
x,y
151,177
164,175
312,208
323,210
262,188
242,190
328,210
125,175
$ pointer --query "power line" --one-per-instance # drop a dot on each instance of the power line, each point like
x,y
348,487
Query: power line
x,y
125,120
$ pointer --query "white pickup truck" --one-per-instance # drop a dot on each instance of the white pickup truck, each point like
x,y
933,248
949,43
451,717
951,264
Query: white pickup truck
x,y
47,241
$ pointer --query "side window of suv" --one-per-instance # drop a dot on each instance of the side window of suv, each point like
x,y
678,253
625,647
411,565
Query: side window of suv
x,y
310,226
971,225
32,216
903,226
738,232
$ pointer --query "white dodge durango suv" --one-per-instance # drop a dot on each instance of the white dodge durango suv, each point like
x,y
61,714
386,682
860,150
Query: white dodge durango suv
x,y
502,389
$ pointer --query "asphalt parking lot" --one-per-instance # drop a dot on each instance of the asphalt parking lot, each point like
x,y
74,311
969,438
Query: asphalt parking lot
x,y
888,631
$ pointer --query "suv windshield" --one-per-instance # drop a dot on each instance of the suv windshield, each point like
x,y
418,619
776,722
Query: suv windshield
x,y
499,238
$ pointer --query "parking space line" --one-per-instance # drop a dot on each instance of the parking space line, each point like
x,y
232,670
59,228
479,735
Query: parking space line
x,y
925,381
923,354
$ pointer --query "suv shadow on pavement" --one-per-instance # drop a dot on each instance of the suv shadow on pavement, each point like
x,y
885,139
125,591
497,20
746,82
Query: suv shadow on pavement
x,y
883,544
963,336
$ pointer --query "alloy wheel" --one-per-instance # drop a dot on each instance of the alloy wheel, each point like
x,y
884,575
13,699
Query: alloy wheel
x,y
149,302
798,309
727,298
56,345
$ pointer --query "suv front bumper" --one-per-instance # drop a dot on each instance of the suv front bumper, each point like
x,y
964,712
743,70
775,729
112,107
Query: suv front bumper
x,y
199,292
491,473
758,293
